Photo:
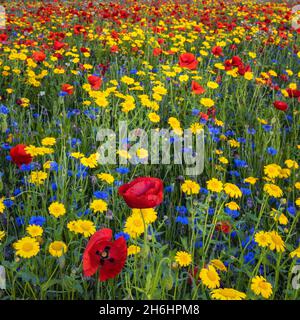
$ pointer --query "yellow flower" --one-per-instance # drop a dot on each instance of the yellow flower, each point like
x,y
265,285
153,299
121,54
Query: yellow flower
x,y
183,258
127,80
37,177
27,247
212,85
154,117
106,177
218,264
291,164
90,162
262,238
210,277
207,102
190,187
149,214
281,218
297,185
98,205
248,75
273,190
214,185
272,170
133,250
260,286
134,226
34,230
232,190
49,141
297,203
2,235
232,205
57,248
2,206
276,242
86,227
227,294
223,160
295,253
77,155
142,153
196,128
57,209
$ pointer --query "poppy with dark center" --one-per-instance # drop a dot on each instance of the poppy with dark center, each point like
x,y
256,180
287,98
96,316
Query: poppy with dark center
x,y
105,255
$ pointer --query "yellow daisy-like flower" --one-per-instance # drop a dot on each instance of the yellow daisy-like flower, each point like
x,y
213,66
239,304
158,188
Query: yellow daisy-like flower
x,y
57,248
223,160
232,205
251,180
98,205
190,187
2,206
260,286
210,277
106,177
262,238
214,185
2,235
134,226
272,170
291,164
276,242
196,128
149,214
90,162
49,141
183,258
273,190
218,264
297,202
207,102
57,209
227,294
34,230
86,227
77,155
212,85
232,190
133,250
37,177
297,185
295,253
142,153
74,226
154,117
27,247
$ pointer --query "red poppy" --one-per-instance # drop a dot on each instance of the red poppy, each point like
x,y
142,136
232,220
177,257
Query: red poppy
x,y
197,88
293,93
142,192
217,51
95,82
105,255
280,105
157,51
67,88
3,37
19,156
236,61
39,56
114,49
58,45
188,60
78,29
223,226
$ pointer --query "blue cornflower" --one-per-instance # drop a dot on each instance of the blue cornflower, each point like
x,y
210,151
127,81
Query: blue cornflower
x,y
37,220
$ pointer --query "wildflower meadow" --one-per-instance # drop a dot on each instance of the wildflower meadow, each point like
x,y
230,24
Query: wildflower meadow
x,y
198,199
